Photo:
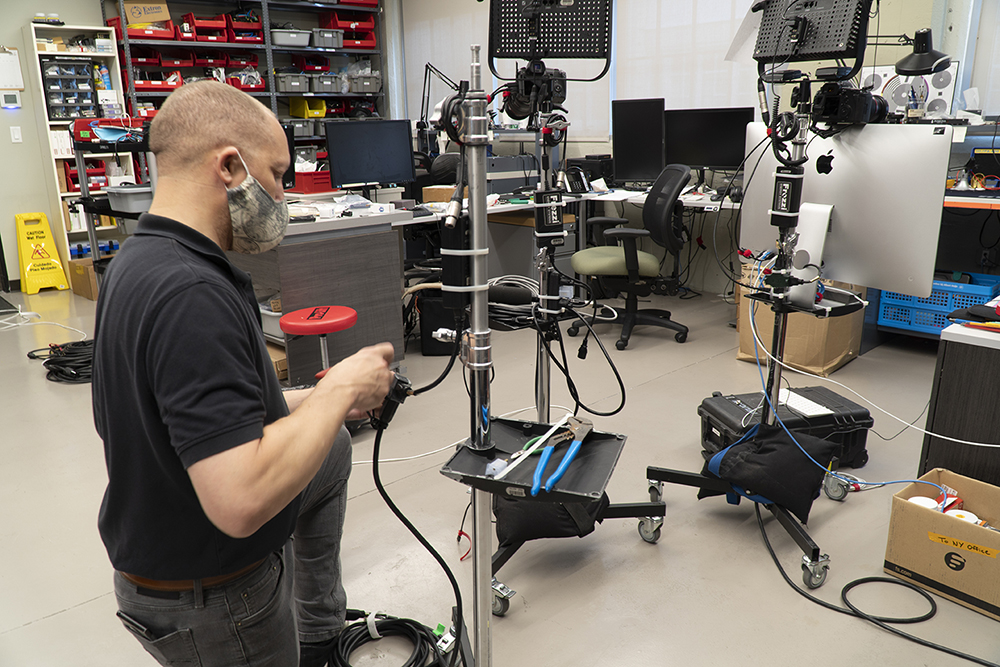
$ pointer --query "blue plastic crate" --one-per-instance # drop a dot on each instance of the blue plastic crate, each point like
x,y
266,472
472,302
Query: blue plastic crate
x,y
929,314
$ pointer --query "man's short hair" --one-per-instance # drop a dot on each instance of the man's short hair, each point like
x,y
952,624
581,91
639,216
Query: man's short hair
x,y
203,116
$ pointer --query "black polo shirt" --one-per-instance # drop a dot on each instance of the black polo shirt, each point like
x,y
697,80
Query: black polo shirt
x,y
181,372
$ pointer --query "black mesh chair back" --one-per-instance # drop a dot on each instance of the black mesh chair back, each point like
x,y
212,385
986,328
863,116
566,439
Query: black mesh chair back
x,y
659,215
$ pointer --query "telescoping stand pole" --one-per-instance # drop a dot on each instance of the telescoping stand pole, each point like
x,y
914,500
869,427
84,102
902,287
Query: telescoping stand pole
x,y
785,216
477,354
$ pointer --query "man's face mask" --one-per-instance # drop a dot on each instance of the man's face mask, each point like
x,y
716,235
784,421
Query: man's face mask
x,y
259,220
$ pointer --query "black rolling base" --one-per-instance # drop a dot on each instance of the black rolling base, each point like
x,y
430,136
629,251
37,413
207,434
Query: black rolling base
x,y
647,317
814,563
650,517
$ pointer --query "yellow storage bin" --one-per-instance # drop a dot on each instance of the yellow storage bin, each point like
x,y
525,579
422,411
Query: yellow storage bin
x,y
304,107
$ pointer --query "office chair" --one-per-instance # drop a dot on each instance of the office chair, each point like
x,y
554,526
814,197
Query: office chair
x,y
626,269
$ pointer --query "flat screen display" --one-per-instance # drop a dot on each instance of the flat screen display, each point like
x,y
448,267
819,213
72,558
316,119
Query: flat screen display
x,y
706,138
366,152
637,139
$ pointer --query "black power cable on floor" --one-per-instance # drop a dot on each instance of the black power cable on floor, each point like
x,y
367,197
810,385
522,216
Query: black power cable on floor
x,y
69,363
880,621
425,643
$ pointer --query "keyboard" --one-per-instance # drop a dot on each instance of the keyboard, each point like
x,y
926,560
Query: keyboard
x,y
801,405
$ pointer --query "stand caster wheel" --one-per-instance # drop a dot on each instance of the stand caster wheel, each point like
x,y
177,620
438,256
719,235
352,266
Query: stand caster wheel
x,y
835,489
621,344
814,572
500,605
649,535
573,330
680,337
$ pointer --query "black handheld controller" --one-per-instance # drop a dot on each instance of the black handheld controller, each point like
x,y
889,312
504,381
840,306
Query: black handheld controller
x,y
398,392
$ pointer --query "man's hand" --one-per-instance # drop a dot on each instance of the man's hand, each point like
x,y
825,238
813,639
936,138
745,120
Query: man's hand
x,y
365,374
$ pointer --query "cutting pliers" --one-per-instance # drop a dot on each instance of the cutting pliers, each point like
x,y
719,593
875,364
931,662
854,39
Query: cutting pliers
x,y
578,428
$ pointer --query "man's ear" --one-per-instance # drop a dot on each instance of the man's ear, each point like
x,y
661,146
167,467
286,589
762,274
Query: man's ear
x,y
229,167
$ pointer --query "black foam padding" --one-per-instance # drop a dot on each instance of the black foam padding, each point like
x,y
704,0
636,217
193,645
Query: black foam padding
x,y
512,295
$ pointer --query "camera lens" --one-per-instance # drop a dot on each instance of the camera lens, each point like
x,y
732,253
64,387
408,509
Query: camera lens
x,y
879,109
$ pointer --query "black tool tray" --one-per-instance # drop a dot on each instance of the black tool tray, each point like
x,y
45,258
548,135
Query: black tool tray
x,y
584,481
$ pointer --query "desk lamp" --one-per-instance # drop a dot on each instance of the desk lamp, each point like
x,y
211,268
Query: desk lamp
x,y
924,59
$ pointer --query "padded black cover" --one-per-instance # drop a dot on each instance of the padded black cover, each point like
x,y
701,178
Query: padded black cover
x,y
770,465
523,520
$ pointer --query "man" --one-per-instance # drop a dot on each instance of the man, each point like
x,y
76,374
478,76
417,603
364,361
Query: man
x,y
212,469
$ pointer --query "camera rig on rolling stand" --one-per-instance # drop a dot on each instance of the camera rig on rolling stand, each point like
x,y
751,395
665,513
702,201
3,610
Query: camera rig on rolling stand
x,y
790,285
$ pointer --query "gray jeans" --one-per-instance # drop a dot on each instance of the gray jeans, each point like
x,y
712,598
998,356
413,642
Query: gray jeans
x,y
260,618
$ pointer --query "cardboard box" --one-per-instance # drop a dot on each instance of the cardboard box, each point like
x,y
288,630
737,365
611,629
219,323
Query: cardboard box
x,y
440,192
61,175
145,12
83,278
279,359
818,345
957,560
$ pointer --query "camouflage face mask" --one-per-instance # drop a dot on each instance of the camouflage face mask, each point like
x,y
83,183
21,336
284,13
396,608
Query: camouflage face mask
x,y
259,220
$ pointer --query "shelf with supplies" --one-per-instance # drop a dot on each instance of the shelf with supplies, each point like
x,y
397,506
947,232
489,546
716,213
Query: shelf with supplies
x,y
342,33
74,47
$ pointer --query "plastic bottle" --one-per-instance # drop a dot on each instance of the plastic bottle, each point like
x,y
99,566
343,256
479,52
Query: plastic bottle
x,y
105,77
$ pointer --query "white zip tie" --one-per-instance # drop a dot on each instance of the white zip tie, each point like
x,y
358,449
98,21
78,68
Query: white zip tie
x,y
370,621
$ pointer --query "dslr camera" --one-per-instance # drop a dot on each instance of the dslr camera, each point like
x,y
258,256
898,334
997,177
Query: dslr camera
x,y
837,103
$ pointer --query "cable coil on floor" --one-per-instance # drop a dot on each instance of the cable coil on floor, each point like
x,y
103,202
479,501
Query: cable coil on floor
x,y
69,363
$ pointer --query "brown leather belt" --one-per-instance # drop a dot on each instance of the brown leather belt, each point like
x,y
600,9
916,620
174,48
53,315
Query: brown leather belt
x,y
178,585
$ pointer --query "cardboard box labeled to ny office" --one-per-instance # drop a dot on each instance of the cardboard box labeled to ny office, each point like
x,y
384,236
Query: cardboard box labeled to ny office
x,y
956,559
818,345
83,278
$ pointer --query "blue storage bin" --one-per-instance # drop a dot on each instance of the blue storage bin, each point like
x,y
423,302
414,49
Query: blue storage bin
x,y
930,314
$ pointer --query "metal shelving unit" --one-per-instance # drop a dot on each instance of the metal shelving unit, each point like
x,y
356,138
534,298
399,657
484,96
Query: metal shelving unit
x,y
268,50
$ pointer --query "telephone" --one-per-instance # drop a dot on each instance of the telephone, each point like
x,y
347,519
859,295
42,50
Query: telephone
x,y
576,180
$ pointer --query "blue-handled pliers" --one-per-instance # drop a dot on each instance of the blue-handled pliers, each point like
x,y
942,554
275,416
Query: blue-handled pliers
x,y
579,429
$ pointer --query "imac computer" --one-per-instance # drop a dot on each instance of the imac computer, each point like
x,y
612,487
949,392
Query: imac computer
x,y
706,138
637,140
886,184
369,152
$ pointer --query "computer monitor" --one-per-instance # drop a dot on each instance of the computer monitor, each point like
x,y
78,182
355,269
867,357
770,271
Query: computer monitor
x,y
886,184
706,138
368,152
637,140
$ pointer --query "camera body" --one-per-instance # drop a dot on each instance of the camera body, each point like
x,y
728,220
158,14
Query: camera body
x,y
837,104
547,84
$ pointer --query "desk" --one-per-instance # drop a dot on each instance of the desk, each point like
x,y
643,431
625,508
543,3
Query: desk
x,y
964,400
351,262
982,203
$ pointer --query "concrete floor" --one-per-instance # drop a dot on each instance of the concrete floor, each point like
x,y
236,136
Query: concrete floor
x,y
706,594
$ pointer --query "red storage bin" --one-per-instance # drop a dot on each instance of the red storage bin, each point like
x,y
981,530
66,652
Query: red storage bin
x,y
72,178
198,22
308,182
211,59
256,37
177,59
206,35
184,36
147,85
242,25
355,21
360,40
241,60
144,56
167,32
147,113
312,63
235,83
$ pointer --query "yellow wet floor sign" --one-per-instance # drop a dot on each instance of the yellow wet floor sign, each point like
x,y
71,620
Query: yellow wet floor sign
x,y
37,254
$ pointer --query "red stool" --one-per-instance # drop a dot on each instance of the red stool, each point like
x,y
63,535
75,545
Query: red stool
x,y
319,321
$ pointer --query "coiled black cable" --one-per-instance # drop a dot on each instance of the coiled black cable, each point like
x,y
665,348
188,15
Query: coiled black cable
x,y
356,635
69,363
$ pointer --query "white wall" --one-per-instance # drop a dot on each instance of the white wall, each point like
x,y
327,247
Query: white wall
x,y
25,167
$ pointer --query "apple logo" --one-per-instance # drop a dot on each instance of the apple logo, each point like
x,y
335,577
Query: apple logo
x,y
824,163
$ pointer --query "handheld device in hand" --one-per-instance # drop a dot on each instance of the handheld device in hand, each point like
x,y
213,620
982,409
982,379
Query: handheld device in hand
x,y
398,392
